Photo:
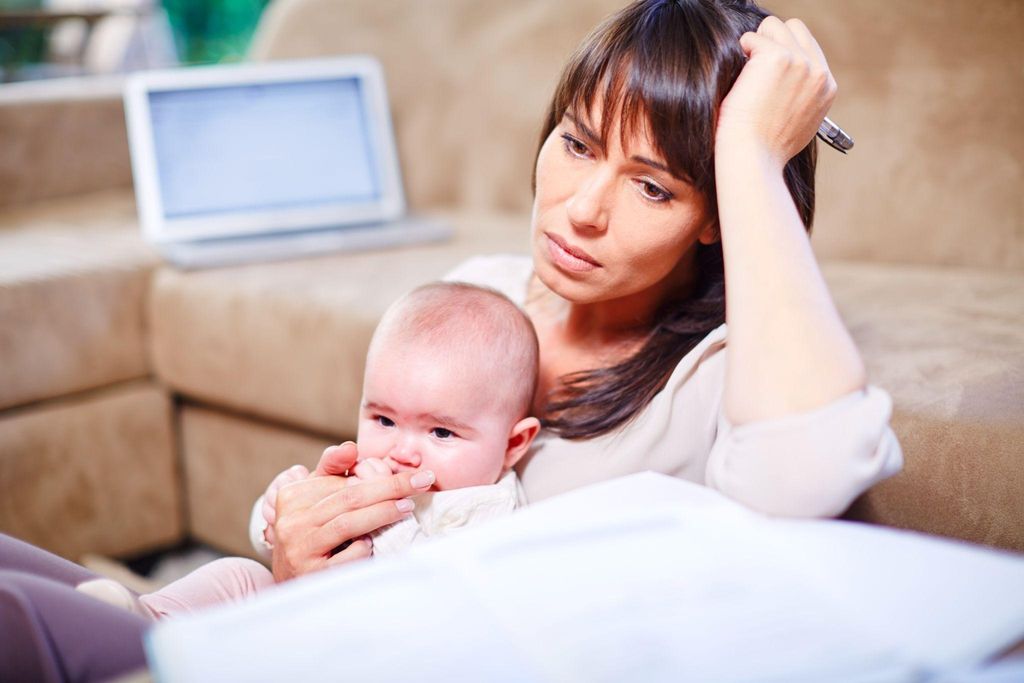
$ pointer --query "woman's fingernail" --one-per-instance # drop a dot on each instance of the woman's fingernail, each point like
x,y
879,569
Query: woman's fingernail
x,y
405,505
422,480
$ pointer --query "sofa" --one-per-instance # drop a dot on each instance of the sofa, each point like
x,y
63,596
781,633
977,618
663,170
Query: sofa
x,y
142,405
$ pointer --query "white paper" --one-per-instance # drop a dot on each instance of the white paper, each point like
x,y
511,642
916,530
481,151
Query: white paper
x,y
641,578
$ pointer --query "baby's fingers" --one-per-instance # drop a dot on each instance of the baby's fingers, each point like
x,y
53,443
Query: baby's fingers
x,y
294,473
372,468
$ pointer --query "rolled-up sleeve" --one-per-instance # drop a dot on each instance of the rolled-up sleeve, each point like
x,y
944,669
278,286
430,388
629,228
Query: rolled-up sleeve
x,y
812,464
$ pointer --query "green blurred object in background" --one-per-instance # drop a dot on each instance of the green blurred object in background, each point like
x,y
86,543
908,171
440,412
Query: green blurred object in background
x,y
208,31
22,45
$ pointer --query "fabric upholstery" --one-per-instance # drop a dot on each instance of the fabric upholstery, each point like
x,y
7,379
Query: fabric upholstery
x,y
94,473
229,460
62,137
73,282
931,92
287,340
947,344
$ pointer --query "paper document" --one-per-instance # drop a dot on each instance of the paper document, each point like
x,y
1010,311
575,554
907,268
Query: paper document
x,y
644,578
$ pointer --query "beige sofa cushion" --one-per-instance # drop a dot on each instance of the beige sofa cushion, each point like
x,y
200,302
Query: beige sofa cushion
x,y
286,341
948,345
94,473
73,282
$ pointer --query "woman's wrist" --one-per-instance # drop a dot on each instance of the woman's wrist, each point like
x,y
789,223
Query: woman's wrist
x,y
745,147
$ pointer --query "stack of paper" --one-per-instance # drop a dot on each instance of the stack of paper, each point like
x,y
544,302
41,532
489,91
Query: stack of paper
x,y
642,578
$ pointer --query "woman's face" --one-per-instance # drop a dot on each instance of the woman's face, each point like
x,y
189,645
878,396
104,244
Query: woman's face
x,y
611,222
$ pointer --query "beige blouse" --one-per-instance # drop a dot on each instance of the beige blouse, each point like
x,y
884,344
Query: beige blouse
x,y
806,465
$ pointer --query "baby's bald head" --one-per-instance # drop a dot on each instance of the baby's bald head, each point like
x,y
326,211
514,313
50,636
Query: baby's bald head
x,y
478,328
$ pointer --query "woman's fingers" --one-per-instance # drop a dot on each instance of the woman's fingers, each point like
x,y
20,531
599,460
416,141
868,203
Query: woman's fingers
x,y
360,522
359,549
337,460
806,41
306,493
779,32
367,506
368,493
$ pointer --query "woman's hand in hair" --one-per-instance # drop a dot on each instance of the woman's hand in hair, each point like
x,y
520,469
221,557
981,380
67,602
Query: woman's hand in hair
x,y
316,515
782,94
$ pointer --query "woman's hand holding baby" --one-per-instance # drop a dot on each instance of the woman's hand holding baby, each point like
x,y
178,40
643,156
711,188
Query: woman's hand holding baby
x,y
782,94
315,515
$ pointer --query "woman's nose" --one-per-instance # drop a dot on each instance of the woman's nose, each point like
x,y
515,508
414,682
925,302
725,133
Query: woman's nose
x,y
587,207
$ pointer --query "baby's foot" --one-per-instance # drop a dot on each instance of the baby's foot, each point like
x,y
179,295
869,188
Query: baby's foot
x,y
113,593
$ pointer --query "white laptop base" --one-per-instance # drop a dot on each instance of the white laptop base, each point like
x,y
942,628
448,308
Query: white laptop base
x,y
280,246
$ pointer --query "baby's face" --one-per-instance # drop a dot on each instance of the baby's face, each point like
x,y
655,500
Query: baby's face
x,y
423,409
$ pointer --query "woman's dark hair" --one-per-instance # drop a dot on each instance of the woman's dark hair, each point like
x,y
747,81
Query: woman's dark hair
x,y
664,66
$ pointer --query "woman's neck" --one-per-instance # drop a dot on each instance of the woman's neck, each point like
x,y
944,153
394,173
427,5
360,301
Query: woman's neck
x,y
625,320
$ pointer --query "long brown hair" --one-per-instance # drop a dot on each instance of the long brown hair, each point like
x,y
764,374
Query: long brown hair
x,y
664,66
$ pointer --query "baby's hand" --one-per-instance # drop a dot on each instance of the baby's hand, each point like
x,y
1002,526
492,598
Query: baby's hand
x,y
294,473
369,469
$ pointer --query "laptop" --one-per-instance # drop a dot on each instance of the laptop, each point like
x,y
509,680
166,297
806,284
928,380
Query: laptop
x,y
258,162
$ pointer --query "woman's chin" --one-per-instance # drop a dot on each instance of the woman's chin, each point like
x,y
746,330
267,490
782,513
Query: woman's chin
x,y
576,288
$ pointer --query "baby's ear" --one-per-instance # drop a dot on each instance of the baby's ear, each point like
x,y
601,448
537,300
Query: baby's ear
x,y
519,440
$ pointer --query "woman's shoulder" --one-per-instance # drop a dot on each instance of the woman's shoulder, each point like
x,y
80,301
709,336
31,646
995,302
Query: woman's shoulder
x,y
507,273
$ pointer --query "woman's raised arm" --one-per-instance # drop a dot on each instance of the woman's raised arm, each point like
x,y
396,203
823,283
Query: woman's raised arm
x,y
788,350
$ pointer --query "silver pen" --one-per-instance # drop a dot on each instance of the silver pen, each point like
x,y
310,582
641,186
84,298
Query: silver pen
x,y
835,136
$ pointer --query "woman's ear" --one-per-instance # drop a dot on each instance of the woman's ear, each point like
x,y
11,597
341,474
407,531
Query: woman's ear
x,y
519,439
709,233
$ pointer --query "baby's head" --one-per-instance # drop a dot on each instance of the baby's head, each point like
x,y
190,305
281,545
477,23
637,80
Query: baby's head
x,y
450,377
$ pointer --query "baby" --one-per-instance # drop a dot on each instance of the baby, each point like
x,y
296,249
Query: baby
x,y
450,377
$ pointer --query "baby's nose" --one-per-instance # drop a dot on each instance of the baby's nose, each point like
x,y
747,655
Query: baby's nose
x,y
406,453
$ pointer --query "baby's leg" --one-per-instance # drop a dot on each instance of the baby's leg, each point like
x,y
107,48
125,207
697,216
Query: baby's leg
x,y
226,580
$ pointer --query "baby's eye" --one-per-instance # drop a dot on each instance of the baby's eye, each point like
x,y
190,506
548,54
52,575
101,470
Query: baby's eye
x,y
442,433
385,421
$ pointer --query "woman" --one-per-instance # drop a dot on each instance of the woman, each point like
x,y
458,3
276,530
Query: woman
x,y
677,157
678,138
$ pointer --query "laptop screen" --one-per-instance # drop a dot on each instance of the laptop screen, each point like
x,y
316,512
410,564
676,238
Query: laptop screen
x,y
244,148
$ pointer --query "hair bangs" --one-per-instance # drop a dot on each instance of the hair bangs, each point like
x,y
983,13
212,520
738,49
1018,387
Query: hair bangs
x,y
660,70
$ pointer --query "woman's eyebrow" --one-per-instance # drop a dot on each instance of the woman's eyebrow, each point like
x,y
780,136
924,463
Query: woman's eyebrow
x,y
652,163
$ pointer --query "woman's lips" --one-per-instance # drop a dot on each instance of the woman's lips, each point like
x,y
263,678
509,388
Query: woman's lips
x,y
569,257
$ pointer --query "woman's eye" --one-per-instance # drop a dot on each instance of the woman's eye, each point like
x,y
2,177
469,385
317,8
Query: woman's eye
x,y
442,433
385,421
574,146
653,192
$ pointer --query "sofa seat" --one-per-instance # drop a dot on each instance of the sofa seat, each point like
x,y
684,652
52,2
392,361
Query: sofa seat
x,y
92,473
947,343
73,281
286,341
